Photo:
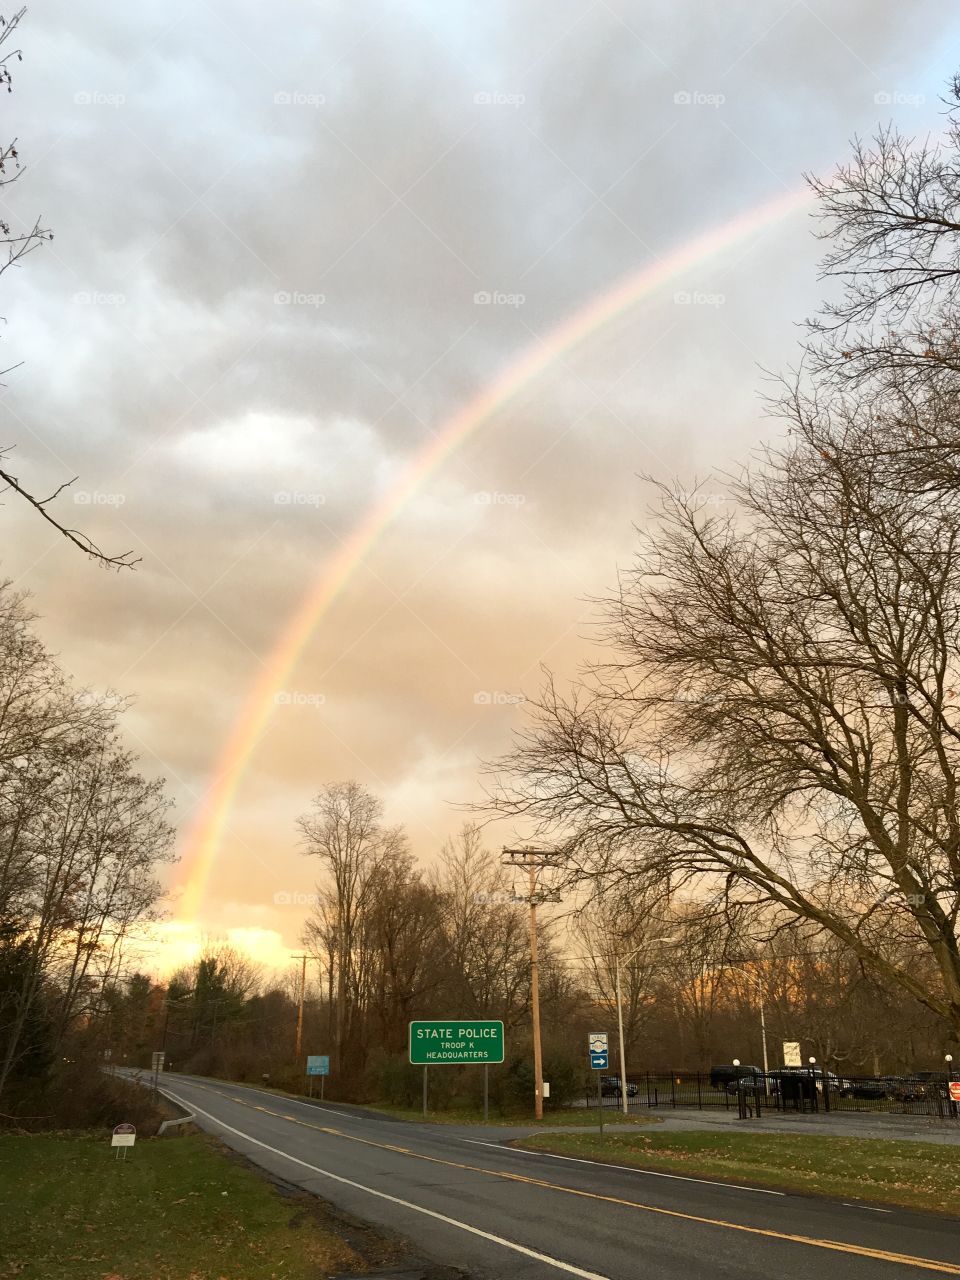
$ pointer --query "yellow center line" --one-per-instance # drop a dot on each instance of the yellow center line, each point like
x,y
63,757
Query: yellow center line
x,y
837,1246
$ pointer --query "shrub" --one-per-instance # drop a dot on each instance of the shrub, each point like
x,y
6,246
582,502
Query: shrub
x,y
78,1094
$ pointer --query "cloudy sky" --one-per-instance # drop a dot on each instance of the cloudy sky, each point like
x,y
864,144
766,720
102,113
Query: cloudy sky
x,y
293,241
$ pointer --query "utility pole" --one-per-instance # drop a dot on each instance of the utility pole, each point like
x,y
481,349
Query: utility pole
x,y
533,859
303,987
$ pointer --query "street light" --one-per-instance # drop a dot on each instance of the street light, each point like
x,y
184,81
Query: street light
x,y
649,942
763,1016
952,1106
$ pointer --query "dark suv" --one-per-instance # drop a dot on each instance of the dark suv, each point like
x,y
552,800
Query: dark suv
x,y
723,1076
610,1087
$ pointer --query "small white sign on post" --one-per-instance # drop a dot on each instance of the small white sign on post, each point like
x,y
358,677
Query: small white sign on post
x,y
124,1135
791,1054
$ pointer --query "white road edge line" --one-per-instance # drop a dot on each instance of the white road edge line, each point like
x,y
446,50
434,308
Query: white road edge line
x,y
406,1204
275,1097
647,1173
872,1208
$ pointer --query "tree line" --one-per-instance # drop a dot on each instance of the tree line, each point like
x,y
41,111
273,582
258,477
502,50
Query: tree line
x,y
389,941
83,836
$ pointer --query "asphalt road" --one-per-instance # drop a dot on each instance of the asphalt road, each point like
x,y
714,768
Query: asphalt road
x,y
465,1201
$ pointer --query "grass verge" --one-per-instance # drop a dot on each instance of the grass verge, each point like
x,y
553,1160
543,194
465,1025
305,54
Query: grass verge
x,y
177,1209
916,1175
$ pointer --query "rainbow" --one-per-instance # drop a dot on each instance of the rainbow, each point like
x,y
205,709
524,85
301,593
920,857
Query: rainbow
x,y
207,833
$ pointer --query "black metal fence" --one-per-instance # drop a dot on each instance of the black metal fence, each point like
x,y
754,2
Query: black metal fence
x,y
800,1090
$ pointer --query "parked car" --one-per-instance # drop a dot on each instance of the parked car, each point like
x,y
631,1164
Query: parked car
x,y
793,1083
722,1076
758,1083
610,1087
831,1081
921,1084
869,1090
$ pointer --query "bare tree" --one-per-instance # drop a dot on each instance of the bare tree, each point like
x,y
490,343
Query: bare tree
x,y
625,924
345,831
400,969
780,724
891,220
81,836
488,949
86,837
19,243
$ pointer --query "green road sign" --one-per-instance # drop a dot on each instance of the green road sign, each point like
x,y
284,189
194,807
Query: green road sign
x,y
450,1040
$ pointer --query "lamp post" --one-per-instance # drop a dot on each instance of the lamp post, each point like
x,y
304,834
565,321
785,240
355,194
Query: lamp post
x,y
741,1095
623,1065
763,1015
954,1108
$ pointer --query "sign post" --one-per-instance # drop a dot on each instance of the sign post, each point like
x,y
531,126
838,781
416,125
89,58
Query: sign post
x,y
457,1041
318,1064
599,1050
124,1135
